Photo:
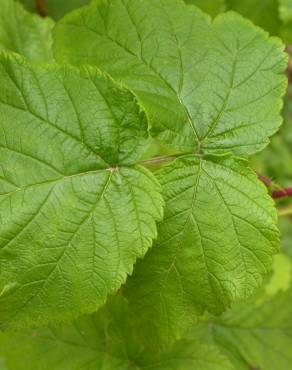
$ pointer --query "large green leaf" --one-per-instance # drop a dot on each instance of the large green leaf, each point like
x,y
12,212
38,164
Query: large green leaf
x,y
205,86
215,244
104,341
24,33
55,8
69,143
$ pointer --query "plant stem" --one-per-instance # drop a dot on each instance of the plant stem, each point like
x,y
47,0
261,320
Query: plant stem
x,y
265,180
283,193
157,161
41,8
276,191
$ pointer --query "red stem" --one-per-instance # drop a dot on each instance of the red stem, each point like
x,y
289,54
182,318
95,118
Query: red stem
x,y
283,193
276,194
265,180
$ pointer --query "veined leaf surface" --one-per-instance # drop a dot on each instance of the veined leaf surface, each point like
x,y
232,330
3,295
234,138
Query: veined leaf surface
x,y
206,86
69,141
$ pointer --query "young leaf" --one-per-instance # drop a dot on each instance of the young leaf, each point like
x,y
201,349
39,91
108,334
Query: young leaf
x,y
215,245
69,143
104,341
24,33
205,86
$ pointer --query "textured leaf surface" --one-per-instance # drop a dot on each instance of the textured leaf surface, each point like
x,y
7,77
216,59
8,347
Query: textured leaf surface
x,y
215,244
24,33
106,341
68,144
56,8
211,86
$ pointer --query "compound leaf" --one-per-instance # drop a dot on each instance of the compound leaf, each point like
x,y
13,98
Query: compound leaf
x,y
205,86
24,33
215,244
104,341
69,143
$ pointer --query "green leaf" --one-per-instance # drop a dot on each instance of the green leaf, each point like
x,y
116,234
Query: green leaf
x,y
212,7
215,245
24,33
69,143
106,340
258,334
205,86
56,8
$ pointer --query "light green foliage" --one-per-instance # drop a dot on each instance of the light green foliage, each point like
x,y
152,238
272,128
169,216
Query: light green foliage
x,y
216,240
24,33
207,253
213,87
80,192
258,334
69,142
106,340
212,7
55,8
